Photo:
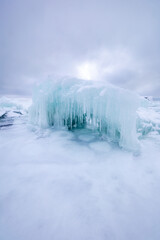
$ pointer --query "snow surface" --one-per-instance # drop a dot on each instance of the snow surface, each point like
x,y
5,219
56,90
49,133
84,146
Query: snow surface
x,y
64,185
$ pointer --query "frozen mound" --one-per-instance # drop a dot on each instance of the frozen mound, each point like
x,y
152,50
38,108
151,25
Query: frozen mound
x,y
11,106
149,118
73,104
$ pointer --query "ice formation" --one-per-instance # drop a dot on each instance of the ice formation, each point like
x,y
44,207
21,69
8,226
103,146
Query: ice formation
x,y
148,119
76,103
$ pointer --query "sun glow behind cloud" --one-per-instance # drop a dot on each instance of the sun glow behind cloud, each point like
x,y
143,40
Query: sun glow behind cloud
x,y
87,70
105,64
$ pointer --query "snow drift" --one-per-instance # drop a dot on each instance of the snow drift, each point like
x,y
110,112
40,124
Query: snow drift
x,y
73,104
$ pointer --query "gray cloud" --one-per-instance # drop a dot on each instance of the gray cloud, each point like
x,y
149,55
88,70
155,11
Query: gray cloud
x,y
120,39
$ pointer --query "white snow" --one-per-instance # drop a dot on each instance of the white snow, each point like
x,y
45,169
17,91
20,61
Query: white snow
x,y
64,185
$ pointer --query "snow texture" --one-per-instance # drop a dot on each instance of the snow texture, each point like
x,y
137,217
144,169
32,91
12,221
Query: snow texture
x,y
71,185
86,104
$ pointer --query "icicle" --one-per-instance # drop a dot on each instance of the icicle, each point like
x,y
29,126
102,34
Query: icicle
x,y
77,103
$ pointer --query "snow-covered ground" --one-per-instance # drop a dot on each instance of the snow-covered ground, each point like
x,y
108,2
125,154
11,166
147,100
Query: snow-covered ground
x,y
63,185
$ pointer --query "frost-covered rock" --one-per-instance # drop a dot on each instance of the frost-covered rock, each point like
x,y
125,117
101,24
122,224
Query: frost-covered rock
x,y
12,106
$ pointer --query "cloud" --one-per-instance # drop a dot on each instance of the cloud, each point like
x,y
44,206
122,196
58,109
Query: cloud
x,y
114,40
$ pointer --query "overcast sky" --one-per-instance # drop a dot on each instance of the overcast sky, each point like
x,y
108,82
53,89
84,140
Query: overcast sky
x,y
117,41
